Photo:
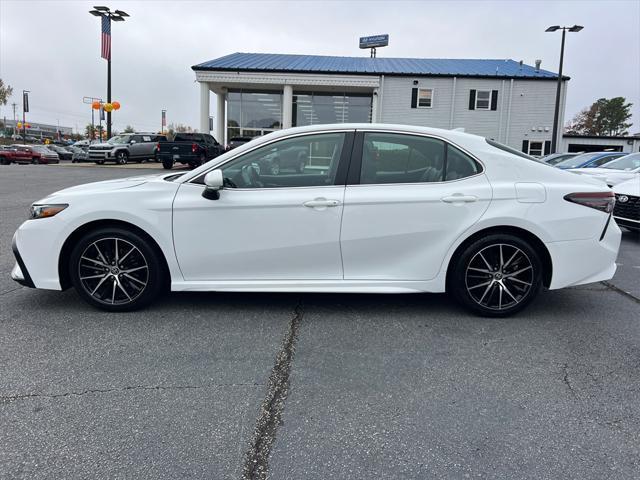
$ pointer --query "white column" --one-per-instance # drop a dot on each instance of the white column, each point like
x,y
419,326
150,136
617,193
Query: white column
x,y
374,105
287,106
221,117
204,107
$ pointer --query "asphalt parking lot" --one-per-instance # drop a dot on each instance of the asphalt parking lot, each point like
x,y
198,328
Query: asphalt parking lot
x,y
313,386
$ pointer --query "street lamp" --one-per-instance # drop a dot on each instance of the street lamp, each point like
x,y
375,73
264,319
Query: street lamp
x,y
556,113
107,16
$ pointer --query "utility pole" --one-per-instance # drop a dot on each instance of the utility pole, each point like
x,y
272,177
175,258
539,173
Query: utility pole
x,y
15,119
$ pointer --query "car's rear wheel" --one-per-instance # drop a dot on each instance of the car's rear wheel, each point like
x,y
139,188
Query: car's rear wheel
x,y
122,158
497,276
99,162
167,164
115,269
34,161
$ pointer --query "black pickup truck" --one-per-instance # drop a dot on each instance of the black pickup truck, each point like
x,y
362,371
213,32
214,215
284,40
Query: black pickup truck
x,y
189,148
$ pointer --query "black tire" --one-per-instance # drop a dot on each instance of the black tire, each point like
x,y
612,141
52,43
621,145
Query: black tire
x,y
167,164
4,161
116,287
34,161
512,282
99,162
122,157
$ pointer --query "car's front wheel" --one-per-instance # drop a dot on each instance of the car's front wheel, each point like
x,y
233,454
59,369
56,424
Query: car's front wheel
x,y
497,275
115,269
122,157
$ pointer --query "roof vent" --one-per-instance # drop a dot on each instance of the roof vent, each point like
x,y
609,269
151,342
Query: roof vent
x,y
538,63
521,62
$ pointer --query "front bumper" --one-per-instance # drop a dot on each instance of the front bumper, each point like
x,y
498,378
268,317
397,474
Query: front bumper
x,y
19,273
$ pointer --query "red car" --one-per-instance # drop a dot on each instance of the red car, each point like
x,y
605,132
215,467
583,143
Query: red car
x,y
18,154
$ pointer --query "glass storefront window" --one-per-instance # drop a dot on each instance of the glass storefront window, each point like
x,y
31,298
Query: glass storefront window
x,y
253,113
319,108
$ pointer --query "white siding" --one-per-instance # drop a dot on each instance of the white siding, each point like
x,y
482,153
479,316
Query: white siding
x,y
531,104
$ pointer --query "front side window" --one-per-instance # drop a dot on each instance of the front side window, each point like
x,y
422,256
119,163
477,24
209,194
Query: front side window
x,y
398,158
425,97
308,161
483,99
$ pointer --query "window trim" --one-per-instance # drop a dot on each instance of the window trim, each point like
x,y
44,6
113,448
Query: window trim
x,y
430,99
341,172
488,100
355,165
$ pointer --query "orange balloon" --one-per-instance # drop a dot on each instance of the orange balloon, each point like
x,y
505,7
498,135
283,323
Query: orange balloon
x,y
95,105
116,105
107,107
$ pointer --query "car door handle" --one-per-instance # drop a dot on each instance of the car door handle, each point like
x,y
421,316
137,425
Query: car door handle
x,y
321,202
459,198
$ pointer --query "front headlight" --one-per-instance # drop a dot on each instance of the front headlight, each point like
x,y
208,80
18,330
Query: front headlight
x,y
46,211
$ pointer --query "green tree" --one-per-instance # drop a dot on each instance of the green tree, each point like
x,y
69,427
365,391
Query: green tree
x,y
5,92
603,117
128,129
93,131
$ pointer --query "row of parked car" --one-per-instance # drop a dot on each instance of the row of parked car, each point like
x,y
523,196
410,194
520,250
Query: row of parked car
x,y
620,171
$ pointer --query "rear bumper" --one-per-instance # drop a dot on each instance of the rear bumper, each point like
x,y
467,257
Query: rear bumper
x,y
578,262
19,273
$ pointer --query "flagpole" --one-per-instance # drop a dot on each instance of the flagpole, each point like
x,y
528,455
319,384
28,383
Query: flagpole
x,y
109,94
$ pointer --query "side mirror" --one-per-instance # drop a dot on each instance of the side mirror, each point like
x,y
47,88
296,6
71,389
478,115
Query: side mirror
x,y
213,182
132,142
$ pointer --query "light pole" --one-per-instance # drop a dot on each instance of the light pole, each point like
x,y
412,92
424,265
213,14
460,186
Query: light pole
x,y
25,109
556,113
107,16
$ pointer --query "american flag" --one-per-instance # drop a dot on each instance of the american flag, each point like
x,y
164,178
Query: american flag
x,y
106,38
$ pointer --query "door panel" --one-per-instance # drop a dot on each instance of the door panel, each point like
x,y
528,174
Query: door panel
x,y
258,234
267,224
402,231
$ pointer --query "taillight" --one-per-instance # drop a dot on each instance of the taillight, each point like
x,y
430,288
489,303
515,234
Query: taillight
x,y
603,201
194,147
158,147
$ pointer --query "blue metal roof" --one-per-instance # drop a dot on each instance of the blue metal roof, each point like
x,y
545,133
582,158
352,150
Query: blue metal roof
x,y
272,62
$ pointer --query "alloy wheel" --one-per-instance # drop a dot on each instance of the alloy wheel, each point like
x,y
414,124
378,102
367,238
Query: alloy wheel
x,y
499,276
113,271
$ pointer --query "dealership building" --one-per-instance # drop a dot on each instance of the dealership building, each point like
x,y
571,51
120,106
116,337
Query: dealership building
x,y
502,99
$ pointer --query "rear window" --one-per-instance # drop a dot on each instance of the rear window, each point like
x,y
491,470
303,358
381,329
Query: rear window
x,y
184,137
512,151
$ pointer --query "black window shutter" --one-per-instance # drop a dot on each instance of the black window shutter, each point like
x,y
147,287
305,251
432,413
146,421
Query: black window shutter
x,y
547,147
414,98
494,99
472,99
525,146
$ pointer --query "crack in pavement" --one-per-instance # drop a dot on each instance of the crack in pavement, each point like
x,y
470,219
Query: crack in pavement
x,y
256,462
21,396
624,293
565,379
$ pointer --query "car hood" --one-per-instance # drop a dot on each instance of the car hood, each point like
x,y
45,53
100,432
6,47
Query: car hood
x,y
630,187
100,187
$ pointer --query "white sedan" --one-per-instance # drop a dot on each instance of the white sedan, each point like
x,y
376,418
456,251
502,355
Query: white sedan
x,y
376,209
616,171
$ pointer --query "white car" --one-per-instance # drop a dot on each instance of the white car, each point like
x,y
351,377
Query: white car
x,y
627,209
616,171
378,209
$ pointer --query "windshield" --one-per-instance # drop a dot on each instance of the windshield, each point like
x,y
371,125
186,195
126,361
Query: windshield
x,y
578,160
628,162
120,139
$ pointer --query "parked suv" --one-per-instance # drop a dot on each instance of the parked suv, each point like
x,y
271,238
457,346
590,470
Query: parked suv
x,y
127,147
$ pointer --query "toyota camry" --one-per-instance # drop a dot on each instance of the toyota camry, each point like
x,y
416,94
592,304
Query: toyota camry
x,y
371,209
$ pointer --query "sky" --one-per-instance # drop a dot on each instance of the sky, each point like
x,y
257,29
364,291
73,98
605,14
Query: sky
x,y
52,48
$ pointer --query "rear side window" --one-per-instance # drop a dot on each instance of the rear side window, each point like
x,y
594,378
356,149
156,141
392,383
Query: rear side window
x,y
389,158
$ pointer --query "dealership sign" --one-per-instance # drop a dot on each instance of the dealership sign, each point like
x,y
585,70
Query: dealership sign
x,y
374,41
